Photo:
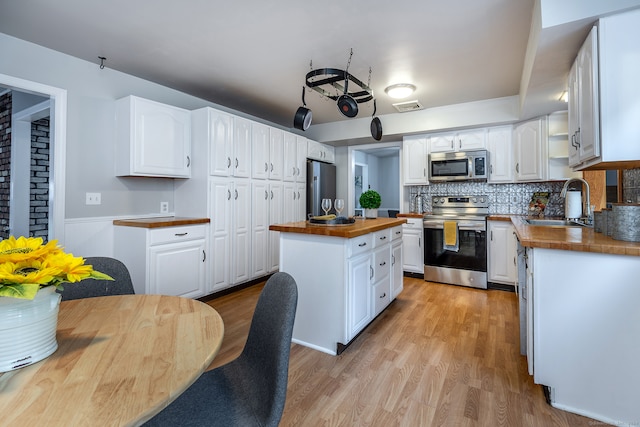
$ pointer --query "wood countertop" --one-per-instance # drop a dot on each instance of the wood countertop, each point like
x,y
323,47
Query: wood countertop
x,y
581,239
158,222
410,215
360,227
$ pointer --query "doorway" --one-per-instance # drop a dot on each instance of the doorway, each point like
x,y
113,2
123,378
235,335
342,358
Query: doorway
x,y
53,104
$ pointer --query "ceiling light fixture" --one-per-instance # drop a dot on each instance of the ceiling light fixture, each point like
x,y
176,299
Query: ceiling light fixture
x,y
400,90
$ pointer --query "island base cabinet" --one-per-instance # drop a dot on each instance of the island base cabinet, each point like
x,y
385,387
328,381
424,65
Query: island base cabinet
x,y
586,327
339,282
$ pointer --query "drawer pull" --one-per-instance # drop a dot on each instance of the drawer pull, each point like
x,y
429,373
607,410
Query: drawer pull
x,y
383,295
383,238
204,256
371,273
383,263
363,244
180,234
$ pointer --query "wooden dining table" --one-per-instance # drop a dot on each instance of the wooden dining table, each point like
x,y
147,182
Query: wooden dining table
x,y
120,360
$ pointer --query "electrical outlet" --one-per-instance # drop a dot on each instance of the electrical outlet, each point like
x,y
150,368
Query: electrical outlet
x,y
93,199
164,207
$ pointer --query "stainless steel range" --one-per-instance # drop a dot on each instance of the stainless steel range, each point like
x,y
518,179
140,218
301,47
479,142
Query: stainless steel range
x,y
465,262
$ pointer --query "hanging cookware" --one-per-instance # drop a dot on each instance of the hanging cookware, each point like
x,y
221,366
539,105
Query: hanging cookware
x,y
302,119
346,104
376,125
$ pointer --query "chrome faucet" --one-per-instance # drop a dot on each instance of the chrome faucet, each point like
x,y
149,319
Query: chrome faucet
x,y
586,200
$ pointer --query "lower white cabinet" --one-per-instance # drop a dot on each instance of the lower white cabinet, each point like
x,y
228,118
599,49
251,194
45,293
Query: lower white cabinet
x,y
412,249
167,260
502,250
396,267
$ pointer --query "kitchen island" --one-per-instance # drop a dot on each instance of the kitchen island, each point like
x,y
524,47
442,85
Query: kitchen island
x,y
346,276
580,294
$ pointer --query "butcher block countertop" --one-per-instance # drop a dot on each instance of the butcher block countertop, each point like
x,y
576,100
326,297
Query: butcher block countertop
x,y
410,215
359,228
582,239
158,222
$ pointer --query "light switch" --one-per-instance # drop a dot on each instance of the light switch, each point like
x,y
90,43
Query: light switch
x,y
93,199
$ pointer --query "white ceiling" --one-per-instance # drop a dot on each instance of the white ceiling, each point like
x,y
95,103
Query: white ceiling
x,y
252,55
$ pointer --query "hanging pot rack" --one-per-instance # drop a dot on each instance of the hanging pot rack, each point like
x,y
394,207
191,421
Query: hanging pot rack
x,y
322,80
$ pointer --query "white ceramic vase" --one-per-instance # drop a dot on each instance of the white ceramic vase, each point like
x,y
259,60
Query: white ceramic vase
x,y
28,329
371,213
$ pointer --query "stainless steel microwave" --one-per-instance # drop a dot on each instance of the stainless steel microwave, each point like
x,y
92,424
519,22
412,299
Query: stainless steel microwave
x,y
459,166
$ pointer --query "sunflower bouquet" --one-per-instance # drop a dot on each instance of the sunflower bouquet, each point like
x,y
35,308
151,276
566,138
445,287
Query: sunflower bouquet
x,y
27,264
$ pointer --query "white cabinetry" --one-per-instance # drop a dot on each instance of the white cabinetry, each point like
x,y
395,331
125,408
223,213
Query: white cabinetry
x,y
294,196
276,216
474,139
414,160
397,281
259,228
530,145
267,152
231,217
319,151
606,69
295,158
340,295
584,132
166,260
228,139
558,148
499,146
152,139
502,250
412,250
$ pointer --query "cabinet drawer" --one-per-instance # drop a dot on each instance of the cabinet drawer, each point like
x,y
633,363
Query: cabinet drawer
x,y
177,234
396,233
381,263
359,245
381,296
381,237
413,223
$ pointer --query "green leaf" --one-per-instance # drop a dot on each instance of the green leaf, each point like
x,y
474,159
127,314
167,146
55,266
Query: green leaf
x,y
100,276
21,291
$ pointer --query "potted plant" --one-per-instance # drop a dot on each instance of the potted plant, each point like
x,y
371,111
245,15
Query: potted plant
x,y
30,272
370,200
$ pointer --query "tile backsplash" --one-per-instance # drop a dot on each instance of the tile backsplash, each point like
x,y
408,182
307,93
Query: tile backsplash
x,y
512,199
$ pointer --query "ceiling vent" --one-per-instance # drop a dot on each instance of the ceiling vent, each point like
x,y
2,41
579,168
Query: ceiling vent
x,y
404,107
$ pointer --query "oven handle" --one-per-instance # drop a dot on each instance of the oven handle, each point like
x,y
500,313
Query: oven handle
x,y
461,226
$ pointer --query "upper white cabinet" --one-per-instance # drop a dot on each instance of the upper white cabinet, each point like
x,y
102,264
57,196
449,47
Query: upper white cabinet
x,y
530,150
559,168
609,58
322,152
414,160
267,152
474,139
228,138
499,146
152,139
294,158
241,167
584,134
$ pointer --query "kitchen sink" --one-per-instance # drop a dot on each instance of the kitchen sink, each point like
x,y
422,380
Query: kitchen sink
x,y
554,222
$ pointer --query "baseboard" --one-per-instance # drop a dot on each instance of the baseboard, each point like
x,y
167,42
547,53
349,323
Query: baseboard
x,y
501,287
233,289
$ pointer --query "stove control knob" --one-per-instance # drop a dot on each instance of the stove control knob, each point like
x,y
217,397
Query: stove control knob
x,y
482,199
441,199
474,199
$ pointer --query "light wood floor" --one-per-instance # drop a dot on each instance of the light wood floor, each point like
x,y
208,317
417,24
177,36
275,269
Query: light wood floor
x,y
440,355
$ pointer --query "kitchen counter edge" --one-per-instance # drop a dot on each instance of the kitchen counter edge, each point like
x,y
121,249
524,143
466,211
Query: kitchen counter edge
x,y
359,228
159,222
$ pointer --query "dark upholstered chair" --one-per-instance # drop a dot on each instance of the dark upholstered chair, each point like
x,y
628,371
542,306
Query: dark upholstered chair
x,y
250,390
121,285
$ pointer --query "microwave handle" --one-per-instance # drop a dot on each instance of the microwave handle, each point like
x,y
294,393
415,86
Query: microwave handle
x,y
470,167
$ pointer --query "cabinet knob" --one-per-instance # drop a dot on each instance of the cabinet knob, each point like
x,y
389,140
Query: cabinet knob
x,y
228,194
266,195
237,162
271,167
393,260
228,162
266,167
518,167
370,272
204,256
188,161
236,194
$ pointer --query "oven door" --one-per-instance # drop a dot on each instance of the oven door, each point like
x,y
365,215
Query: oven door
x,y
467,266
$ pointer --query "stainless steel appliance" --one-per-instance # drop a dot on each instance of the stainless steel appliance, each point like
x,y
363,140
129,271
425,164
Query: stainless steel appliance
x,y
466,266
459,166
321,184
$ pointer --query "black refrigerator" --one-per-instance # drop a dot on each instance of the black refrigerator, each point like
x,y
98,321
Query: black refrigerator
x,y
321,184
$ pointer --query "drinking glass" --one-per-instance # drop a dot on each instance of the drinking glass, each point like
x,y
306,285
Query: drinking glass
x,y
339,205
326,206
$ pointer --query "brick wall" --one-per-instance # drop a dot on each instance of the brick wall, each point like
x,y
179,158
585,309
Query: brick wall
x,y
5,162
39,200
